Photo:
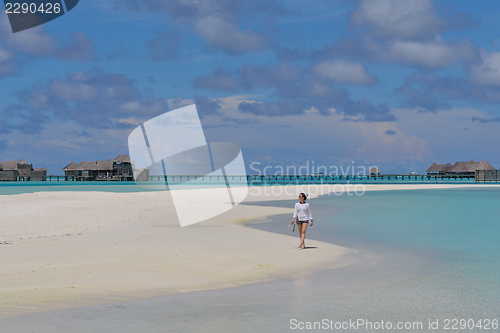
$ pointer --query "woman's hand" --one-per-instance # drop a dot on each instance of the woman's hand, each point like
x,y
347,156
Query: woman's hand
x,y
311,223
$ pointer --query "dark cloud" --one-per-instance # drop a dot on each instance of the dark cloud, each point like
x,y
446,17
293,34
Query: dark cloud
x,y
346,47
79,48
18,49
163,47
31,126
370,112
297,89
219,80
428,91
208,106
120,53
92,99
251,76
269,76
220,22
423,99
84,134
390,132
482,120
194,9
282,108
25,120
36,42
242,121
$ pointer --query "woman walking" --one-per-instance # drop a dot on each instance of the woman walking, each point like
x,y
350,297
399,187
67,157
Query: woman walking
x,y
303,215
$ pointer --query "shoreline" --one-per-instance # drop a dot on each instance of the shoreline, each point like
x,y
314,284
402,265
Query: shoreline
x,y
68,267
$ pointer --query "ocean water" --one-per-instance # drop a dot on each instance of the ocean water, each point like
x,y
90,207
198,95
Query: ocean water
x,y
441,251
190,182
9,188
437,262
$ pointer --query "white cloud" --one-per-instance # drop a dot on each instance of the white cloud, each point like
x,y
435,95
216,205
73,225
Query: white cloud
x,y
345,72
431,54
444,133
34,41
224,35
5,55
74,91
381,148
152,107
487,73
309,132
7,66
399,19
129,121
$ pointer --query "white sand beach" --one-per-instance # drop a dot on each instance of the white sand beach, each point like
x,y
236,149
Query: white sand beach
x,y
69,249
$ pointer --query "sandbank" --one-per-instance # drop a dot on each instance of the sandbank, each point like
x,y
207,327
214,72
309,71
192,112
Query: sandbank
x,y
70,249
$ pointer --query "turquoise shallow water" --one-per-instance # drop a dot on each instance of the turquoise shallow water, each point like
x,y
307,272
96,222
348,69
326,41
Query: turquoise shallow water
x,y
7,188
458,227
462,225
438,259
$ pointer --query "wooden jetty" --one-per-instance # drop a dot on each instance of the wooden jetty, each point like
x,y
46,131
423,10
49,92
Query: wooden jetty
x,y
281,178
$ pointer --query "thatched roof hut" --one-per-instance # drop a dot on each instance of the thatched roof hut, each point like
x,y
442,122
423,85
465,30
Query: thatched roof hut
x,y
9,165
95,165
439,168
460,167
469,167
120,167
122,159
70,166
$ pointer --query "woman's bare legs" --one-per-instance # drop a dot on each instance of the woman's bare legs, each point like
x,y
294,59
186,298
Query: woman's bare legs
x,y
302,229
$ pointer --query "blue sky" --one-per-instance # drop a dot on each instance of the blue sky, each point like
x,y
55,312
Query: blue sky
x,y
381,82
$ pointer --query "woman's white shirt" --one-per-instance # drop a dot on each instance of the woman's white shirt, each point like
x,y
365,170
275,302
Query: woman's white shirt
x,y
301,210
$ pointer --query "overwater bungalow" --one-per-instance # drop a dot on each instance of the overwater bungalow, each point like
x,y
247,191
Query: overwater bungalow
x,y
374,172
439,169
119,168
12,171
459,168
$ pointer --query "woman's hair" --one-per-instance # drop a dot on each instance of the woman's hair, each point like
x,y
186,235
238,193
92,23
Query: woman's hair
x,y
304,195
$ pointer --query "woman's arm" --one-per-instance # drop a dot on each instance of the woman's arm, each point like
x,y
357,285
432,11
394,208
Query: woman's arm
x,y
309,213
294,214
